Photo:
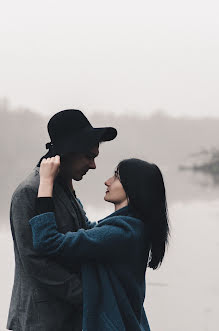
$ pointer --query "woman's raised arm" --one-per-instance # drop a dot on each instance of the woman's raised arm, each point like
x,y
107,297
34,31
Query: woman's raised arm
x,y
112,239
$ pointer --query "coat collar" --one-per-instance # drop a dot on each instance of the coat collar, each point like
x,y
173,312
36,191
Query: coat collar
x,y
125,211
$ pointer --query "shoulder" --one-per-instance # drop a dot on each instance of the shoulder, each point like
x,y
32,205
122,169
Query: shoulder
x,y
128,223
117,219
27,187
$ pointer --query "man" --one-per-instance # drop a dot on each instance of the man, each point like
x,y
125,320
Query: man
x,y
47,293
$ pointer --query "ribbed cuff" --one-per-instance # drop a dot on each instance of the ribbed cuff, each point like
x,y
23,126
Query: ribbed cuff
x,y
44,205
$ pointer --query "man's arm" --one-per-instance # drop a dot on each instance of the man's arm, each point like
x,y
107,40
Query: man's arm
x,y
59,281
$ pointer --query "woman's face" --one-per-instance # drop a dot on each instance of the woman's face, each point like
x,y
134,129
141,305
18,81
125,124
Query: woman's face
x,y
115,192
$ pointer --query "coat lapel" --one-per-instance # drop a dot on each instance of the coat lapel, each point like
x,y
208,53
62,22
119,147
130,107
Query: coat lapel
x,y
60,194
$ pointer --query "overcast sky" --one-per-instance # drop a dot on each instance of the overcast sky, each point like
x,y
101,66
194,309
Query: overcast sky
x,y
112,56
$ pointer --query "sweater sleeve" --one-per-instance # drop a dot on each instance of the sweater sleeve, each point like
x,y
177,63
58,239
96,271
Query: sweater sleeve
x,y
112,239
44,205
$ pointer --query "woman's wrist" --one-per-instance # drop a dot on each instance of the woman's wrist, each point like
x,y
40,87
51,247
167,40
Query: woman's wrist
x,y
45,188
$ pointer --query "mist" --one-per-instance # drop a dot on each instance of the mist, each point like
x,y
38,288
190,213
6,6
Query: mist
x,y
189,272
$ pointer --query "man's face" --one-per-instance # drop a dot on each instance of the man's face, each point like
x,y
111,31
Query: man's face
x,y
76,165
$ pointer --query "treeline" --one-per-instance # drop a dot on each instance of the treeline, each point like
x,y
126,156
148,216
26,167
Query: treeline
x,y
206,162
158,138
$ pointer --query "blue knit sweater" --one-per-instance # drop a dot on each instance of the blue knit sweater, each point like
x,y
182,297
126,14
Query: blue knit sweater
x,y
114,256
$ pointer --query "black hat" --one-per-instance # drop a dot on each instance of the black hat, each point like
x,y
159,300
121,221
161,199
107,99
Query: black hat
x,y
70,131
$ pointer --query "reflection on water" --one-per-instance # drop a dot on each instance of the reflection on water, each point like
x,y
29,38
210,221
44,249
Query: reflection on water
x,y
205,162
183,294
190,269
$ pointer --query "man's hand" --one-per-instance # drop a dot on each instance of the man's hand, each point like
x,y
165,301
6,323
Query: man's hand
x,y
49,169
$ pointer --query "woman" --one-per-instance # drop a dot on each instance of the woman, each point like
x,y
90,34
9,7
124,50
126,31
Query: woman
x,y
114,252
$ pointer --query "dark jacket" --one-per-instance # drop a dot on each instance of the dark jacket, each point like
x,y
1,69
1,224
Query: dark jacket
x,y
114,256
47,294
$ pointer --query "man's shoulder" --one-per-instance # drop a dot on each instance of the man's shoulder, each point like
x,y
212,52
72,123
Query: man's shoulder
x,y
28,184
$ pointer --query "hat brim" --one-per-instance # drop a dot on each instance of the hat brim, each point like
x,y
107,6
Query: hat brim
x,y
83,141
106,134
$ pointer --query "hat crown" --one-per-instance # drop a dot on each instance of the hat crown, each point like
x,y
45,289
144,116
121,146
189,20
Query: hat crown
x,y
71,132
66,122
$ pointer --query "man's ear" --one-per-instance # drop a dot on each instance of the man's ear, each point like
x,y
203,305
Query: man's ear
x,y
63,161
64,158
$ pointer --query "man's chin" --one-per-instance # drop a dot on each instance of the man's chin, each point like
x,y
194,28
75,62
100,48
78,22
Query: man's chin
x,y
78,178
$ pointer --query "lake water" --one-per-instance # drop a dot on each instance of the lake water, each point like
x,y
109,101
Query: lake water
x,y
183,294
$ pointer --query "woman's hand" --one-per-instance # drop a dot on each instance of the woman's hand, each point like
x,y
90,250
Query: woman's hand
x,y
49,169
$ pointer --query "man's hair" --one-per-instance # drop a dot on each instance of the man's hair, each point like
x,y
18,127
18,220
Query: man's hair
x,y
47,154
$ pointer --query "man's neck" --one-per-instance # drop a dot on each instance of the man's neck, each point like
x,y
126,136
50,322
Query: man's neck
x,y
70,185
67,181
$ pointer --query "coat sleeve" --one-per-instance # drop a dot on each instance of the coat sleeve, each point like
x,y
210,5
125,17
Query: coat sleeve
x,y
89,224
112,239
57,279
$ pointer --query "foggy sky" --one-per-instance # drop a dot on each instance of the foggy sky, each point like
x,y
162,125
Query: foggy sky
x,y
117,56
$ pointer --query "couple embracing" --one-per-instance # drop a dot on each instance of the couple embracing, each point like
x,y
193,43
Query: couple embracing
x,y
72,274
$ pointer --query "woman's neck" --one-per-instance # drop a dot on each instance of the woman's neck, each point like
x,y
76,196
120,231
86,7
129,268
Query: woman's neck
x,y
121,205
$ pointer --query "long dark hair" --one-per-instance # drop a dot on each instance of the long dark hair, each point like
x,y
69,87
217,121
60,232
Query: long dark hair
x,y
145,190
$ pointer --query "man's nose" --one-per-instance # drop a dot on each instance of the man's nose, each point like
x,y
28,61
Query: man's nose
x,y
92,164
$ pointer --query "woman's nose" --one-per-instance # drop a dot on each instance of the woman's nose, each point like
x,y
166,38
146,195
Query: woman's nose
x,y
107,183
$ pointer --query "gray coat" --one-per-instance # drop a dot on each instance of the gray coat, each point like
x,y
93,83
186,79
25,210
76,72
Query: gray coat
x,y
47,293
